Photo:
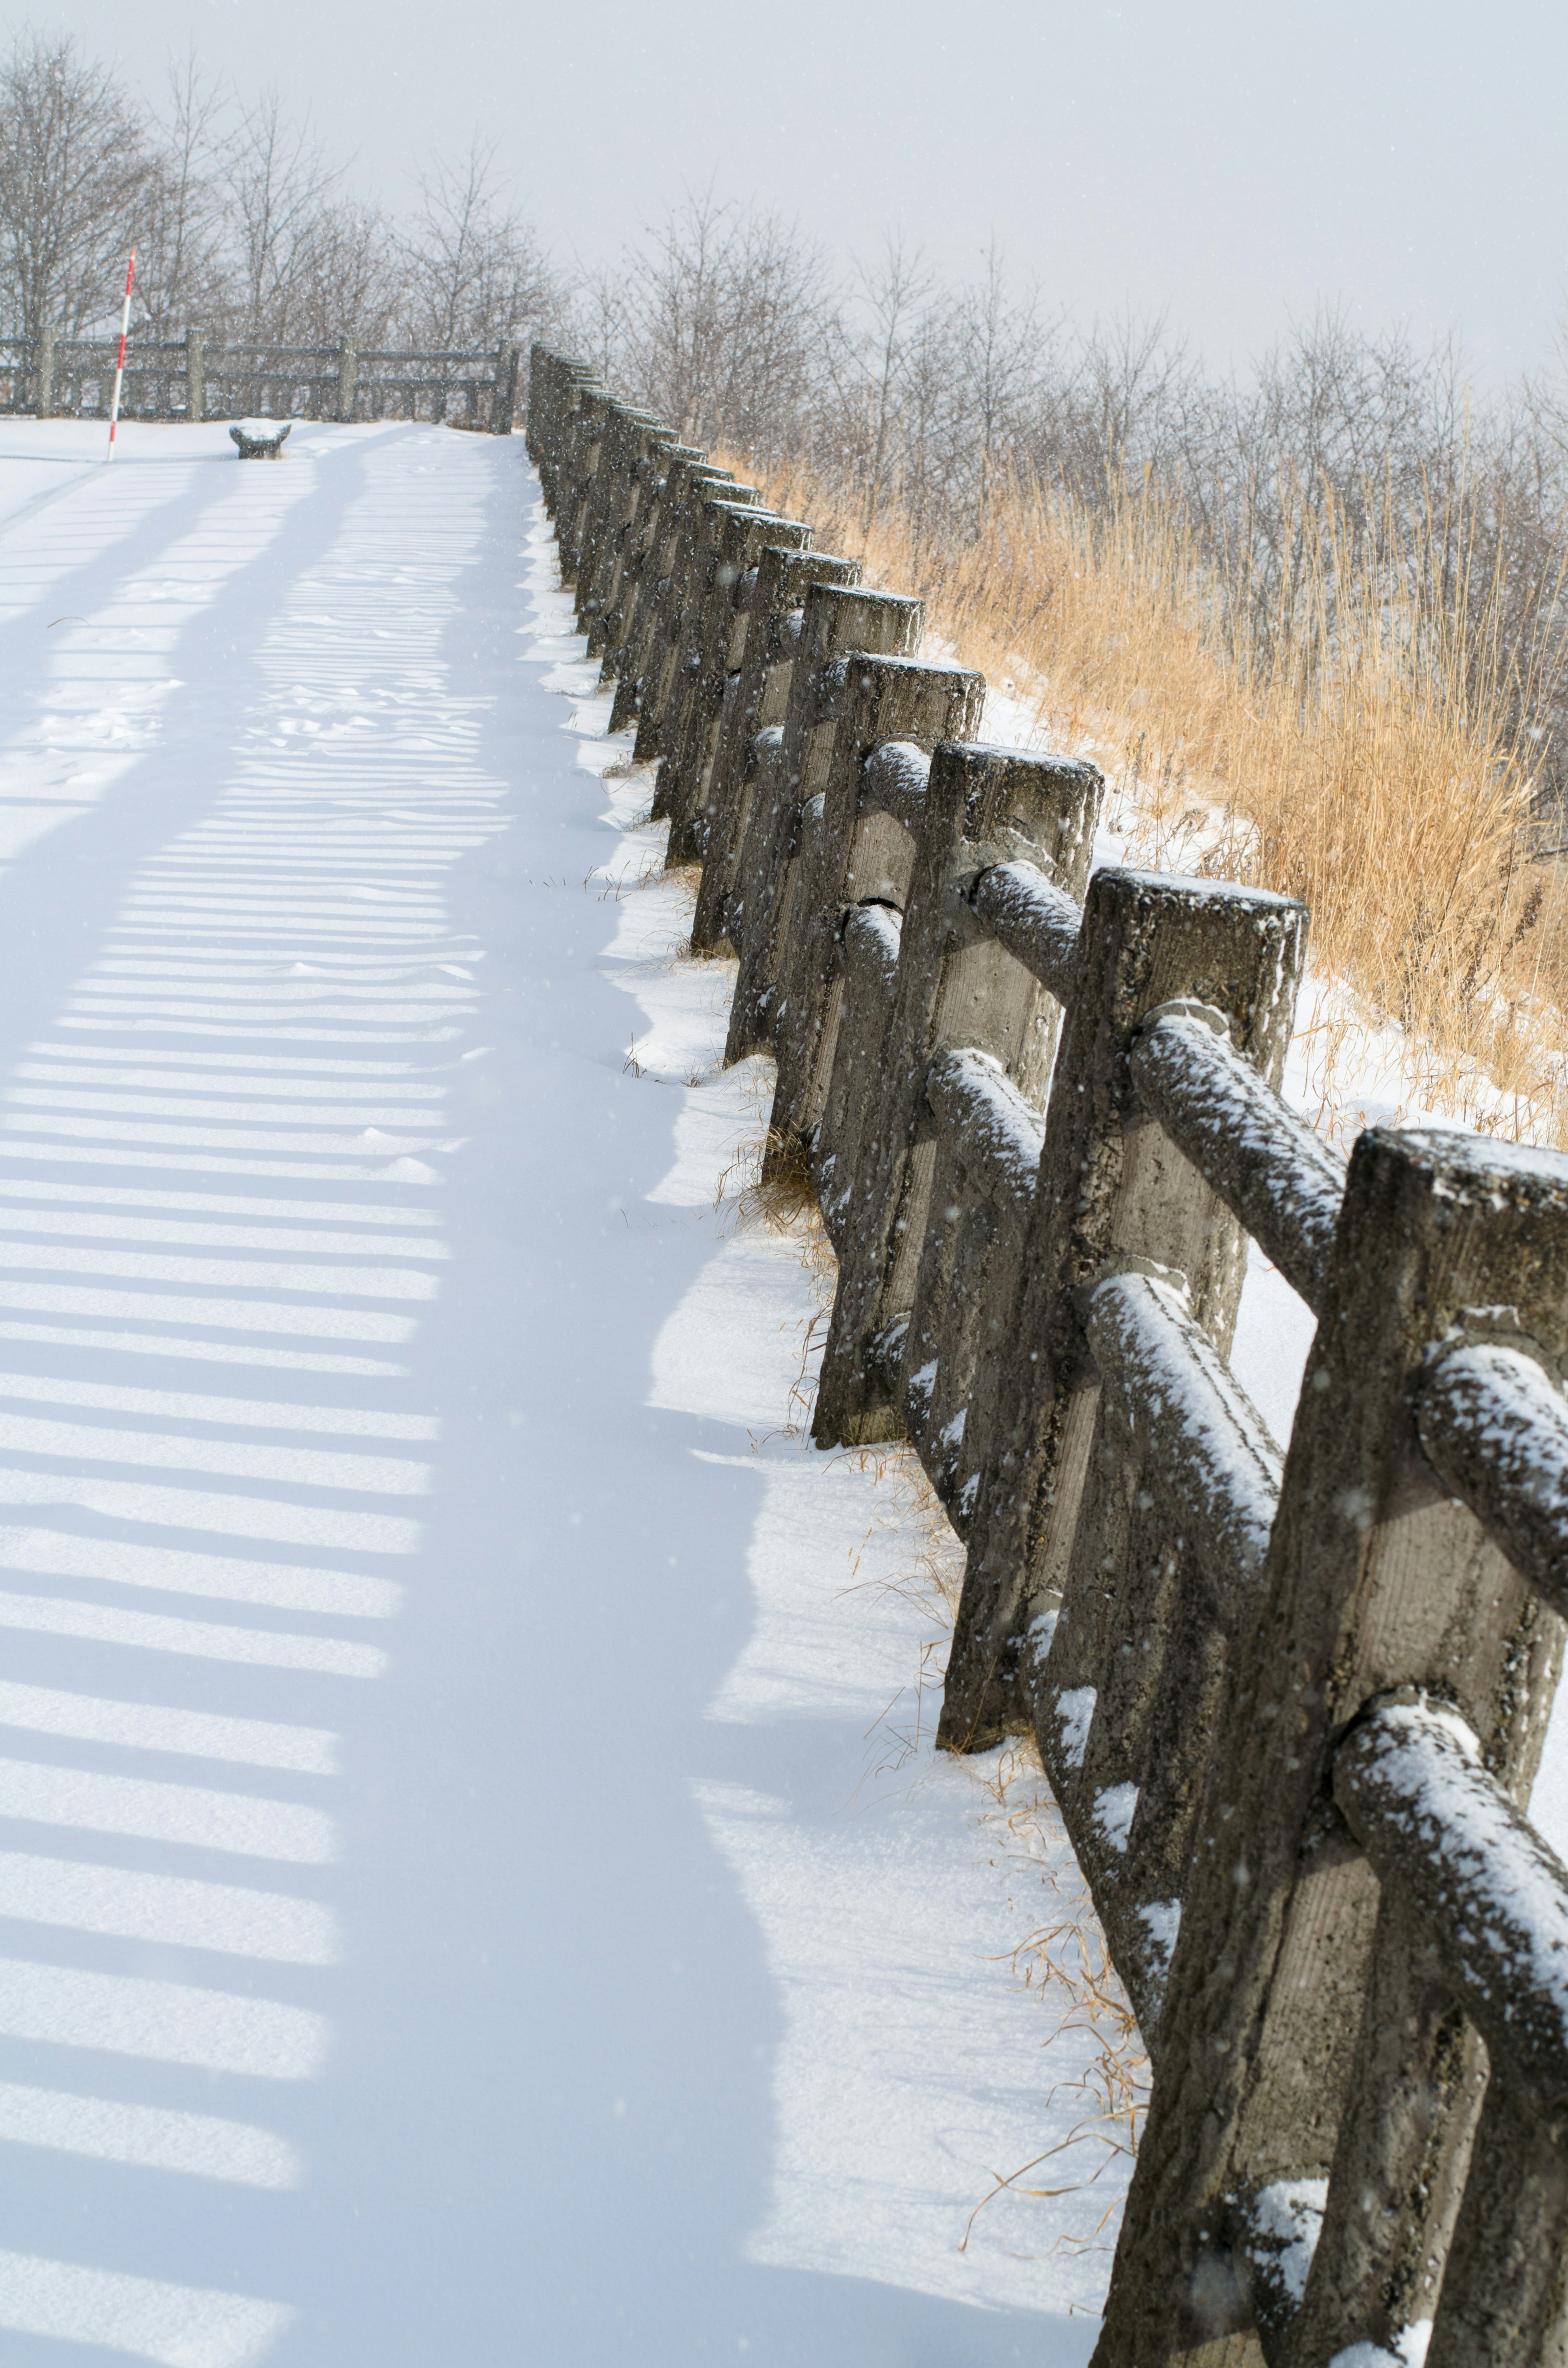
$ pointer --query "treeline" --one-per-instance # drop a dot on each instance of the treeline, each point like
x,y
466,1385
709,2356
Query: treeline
x,y
1340,463
243,225
1341,459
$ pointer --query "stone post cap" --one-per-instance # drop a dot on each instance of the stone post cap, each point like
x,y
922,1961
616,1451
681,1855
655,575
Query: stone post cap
x,y
261,447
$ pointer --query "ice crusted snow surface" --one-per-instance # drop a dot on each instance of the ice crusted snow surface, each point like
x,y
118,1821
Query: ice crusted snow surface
x,y
1075,1711
1036,920
1414,2342
998,1132
1287,2219
449,1907
1215,1455
1114,1811
897,776
1297,1179
1495,1891
1161,1921
1501,1401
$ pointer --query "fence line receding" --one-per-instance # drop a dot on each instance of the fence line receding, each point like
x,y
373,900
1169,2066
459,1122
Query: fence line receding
x,y
1290,1700
199,378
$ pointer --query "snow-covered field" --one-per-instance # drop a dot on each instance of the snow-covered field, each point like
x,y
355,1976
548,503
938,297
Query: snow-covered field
x,y
474,1888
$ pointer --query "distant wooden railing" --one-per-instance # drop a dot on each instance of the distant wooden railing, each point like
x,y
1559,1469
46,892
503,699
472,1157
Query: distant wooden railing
x,y
193,379
1290,1702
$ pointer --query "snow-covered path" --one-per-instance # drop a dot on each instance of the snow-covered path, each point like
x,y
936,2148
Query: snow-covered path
x,y
456,1902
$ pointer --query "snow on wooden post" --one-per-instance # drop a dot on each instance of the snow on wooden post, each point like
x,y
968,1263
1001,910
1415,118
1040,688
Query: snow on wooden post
x,y
347,377
852,852
1379,1584
620,485
643,445
595,407
504,399
712,663
553,382
634,578
980,808
677,624
791,771
689,479
757,703
1111,1184
195,374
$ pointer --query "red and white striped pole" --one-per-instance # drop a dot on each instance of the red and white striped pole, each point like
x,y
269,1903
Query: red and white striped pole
x,y
119,365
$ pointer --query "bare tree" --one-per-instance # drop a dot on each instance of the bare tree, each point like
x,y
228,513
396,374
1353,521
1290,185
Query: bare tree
x,y
278,184
344,281
474,274
74,164
896,294
182,276
724,324
1001,351
595,320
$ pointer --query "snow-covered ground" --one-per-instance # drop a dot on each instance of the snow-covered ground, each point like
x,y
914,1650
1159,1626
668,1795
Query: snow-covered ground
x,y
475,1884
469,1890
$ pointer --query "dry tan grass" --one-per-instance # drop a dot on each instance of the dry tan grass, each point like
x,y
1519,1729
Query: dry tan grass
x,y
1065,1960
1359,760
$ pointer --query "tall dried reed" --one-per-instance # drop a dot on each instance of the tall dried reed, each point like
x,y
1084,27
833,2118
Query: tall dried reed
x,y
1357,751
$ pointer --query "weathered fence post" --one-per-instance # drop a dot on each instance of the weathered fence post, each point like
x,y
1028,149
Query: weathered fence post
x,y
575,445
599,499
790,772
681,609
715,648
636,440
503,401
595,409
761,697
634,578
650,445
554,383
1377,1581
1110,1182
347,377
983,807
847,854
45,394
195,374
654,615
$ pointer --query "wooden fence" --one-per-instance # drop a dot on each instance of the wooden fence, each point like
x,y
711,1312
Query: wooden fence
x,y
1291,1701
195,379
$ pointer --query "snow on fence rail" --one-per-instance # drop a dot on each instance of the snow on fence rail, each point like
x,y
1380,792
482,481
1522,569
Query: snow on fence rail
x,y
195,379
1290,1702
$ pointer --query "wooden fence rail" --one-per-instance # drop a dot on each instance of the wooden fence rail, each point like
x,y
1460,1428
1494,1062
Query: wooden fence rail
x,y
1291,1701
197,378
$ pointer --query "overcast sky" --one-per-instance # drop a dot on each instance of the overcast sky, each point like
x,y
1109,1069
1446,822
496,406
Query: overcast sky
x,y
1229,162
